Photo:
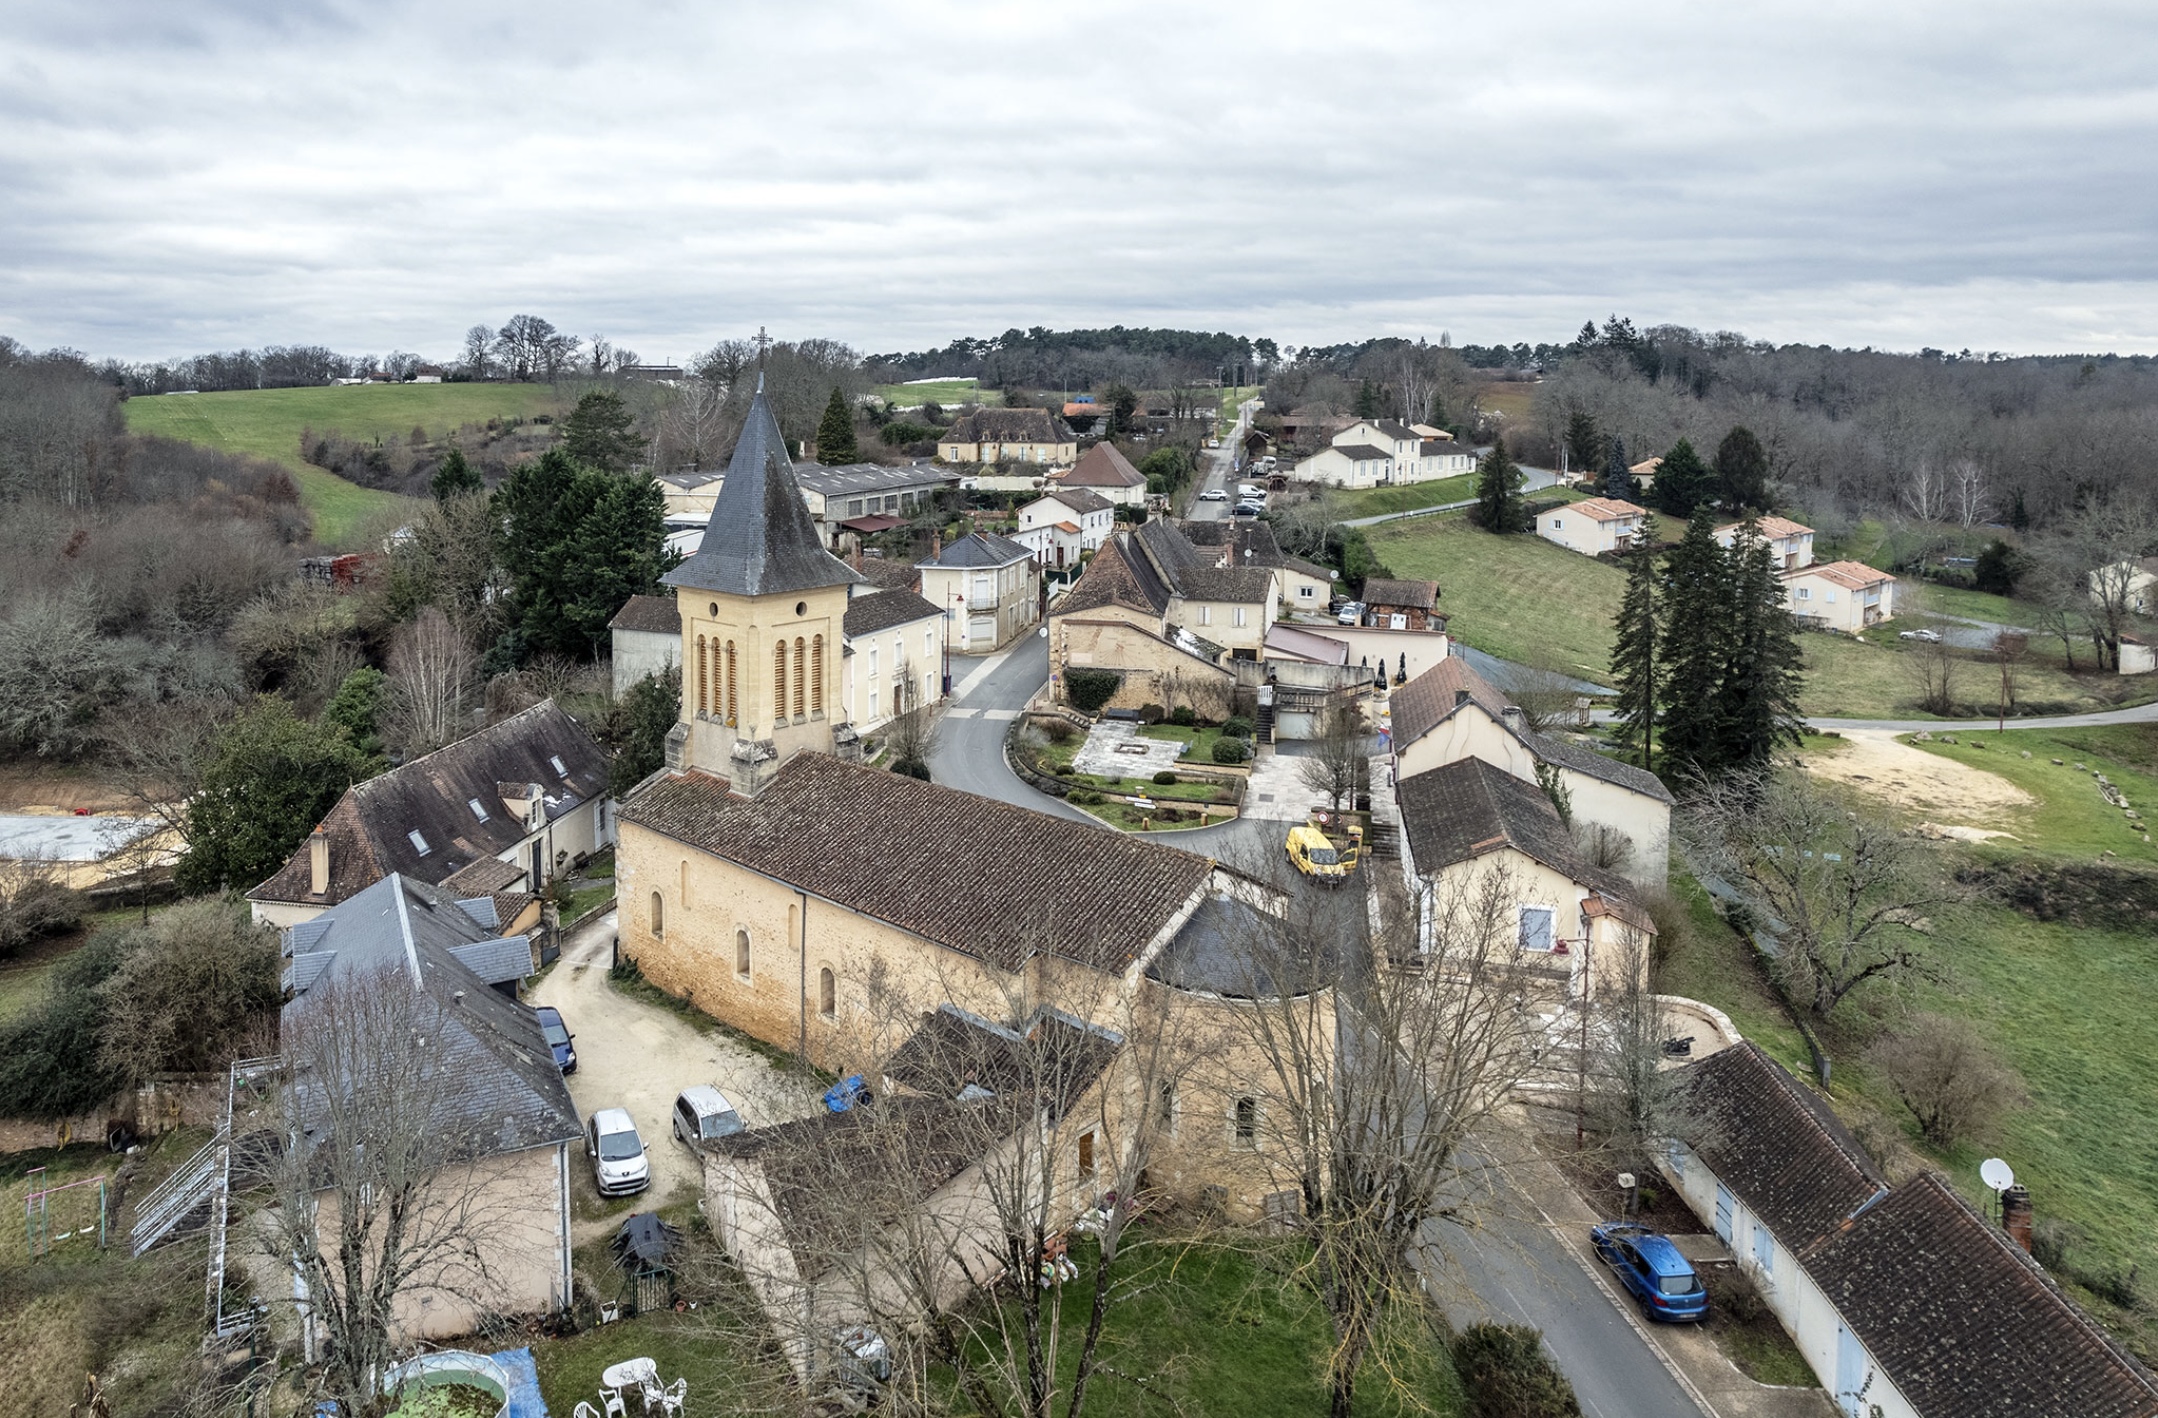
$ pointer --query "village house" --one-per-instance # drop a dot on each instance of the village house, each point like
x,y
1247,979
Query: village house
x,y
1299,585
1840,595
1065,525
893,660
1106,472
508,1120
991,585
2128,583
1008,436
1115,620
1904,1300
503,811
1402,605
1790,544
1594,526
1371,452
646,640
1450,713
688,493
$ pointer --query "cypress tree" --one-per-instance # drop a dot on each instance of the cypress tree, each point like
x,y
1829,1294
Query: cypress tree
x,y
1584,443
1683,480
1367,400
1742,469
1762,661
835,433
455,477
1637,669
1500,506
1618,478
1695,621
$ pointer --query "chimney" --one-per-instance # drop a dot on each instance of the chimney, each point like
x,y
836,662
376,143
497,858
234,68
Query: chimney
x,y
1514,718
1461,697
318,862
457,998
936,544
2016,1214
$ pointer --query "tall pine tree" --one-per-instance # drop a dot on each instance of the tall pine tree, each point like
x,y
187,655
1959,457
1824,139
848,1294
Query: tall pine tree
x,y
1500,507
1584,444
1742,469
1618,478
455,477
1762,660
1637,669
1695,625
602,433
1683,481
835,433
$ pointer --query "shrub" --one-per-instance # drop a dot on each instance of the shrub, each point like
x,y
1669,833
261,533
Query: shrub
x,y
1947,1077
1507,1374
1236,727
1057,731
1183,716
912,768
1227,750
1150,713
1088,690
1165,776
35,902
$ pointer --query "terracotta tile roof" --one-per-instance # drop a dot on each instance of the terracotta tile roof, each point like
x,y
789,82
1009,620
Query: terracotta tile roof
x,y
889,575
881,610
1409,595
1117,576
484,877
1771,527
1103,466
1603,509
1964,1323
1775,1144
657,614
993,880
1430,699
1246,543
1852,575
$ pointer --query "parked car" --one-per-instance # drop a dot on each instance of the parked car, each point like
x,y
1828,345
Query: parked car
x,y
1931,637
1251,492
1661,1280
559,1038
1350,613
1245,509
1213,494
619,1165
701,1113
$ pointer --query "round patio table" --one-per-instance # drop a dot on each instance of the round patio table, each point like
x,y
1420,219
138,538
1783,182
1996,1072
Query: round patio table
x,y
630,1373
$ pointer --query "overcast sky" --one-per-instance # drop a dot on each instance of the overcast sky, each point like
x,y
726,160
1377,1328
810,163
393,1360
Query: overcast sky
x,y
182,177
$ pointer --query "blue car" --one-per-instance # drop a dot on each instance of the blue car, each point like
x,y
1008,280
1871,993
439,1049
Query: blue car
x,y
1661,1280
849,1093
558,1037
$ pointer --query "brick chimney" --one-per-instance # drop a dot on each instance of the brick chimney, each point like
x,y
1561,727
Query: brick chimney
x,y
2016,1214
318,862
936,544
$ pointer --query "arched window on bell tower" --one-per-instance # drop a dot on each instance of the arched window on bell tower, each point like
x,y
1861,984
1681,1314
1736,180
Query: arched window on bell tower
x,y
779,683
700,675
730,682
801,655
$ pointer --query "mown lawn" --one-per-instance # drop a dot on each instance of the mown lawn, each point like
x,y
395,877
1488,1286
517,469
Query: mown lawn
x,y
1406,497
1710,962
266,423
2071,818
1519,597
947,392
1873,677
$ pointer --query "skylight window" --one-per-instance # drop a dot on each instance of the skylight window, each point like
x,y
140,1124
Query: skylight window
x,y
559,766
477,811
419,843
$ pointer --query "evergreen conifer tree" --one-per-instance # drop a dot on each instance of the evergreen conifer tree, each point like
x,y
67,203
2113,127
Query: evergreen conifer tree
x,y
455,477
1742,469
835,433
1637,668
1695,625
1618,478
1683,480
1367,401
1762,660
1500,506
1584,444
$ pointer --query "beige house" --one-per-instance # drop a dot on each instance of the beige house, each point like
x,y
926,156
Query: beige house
x,y
689,494
1450,713
2128,582
1594,526
1299,585
992,586
1790,544
1008,436
1372,452
521,801
894,657
1840,595
1106,472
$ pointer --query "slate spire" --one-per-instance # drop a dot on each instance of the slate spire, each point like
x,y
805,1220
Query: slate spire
x,y
761,540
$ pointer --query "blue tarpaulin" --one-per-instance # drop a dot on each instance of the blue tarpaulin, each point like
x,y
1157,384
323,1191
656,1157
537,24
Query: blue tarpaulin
x,y
525,1400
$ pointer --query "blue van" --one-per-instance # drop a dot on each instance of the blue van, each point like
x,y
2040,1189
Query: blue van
x,y
1661,1280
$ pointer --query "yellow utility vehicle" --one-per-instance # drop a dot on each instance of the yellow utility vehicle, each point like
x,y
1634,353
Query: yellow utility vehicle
x,y
1323,856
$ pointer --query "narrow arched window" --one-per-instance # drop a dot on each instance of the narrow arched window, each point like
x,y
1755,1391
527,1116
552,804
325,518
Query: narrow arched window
x,y
730,682
801,653
827,992
659,915
779,682
700,675
1247,1122
685,886
741,953
816,675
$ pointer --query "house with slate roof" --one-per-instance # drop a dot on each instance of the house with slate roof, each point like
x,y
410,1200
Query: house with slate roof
x,y
646,636
1299,585
992,586
893,660
1008,436
1905,1300
506,1112
1065,525
529,792
1375,452
1450,712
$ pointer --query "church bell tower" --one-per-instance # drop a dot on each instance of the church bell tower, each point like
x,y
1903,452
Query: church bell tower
x,y
763,608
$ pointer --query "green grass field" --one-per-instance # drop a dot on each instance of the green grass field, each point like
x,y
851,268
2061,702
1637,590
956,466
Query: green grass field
x,y
948,392
266,423
1405,497
1513,398
1520,598
2070,818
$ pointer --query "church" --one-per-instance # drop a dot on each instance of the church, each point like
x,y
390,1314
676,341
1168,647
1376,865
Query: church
x,y
827,907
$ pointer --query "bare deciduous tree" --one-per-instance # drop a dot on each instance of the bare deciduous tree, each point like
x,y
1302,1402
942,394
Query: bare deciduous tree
x,y
158,758
1633,1100
2105,541
1944,1073
431,676
35,902
1547,696
1972,499
1847,896
2009,648
1925,492
1339,761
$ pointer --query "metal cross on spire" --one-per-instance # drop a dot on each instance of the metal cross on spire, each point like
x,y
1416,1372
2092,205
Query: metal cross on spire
x,y
764,342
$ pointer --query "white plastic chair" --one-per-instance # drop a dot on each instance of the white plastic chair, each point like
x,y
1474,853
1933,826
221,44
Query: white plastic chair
x,y
612,1398
649,1387
672,1397
585,1410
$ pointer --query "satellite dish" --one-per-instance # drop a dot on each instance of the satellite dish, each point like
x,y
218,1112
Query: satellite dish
x,y
1996,1174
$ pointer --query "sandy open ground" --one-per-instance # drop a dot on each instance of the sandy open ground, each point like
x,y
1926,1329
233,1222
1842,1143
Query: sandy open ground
x,y
1940,788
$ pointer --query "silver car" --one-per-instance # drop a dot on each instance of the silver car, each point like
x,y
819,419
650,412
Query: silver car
x,y
702,1113
619,1165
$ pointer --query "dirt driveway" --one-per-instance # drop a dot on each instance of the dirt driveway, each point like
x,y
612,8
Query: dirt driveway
x,y
638,1056
1941,788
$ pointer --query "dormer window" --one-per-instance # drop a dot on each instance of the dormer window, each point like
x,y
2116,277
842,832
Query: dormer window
x,y
419,843
477,811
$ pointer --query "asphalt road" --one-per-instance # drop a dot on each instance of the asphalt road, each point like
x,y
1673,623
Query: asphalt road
x,y
1216,465
987,694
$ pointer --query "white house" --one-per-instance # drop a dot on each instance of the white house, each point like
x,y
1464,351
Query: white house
x,y
1840,595
1905,1301
1789,543
1065,524
1105,472
647,638
1594,526
893,662
991,585
1370,452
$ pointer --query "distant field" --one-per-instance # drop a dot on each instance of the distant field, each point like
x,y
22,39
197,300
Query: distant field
x,y
941,391
267,424
1507,397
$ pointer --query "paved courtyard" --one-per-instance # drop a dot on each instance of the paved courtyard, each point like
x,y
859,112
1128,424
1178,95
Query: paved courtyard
x,y
1276,792
1114,749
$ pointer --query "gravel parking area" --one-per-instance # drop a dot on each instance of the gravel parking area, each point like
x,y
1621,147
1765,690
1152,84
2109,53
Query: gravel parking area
x,y
635,1055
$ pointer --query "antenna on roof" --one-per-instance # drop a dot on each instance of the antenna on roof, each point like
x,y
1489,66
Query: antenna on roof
x,y
1996,1174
